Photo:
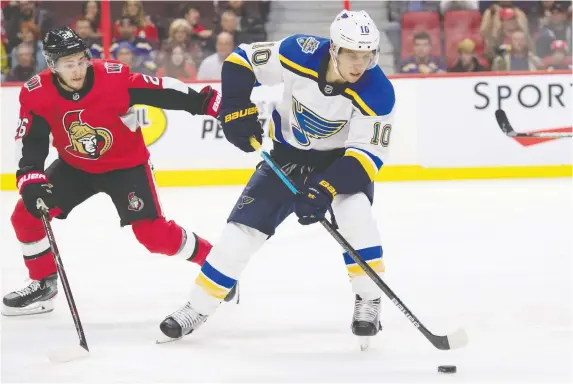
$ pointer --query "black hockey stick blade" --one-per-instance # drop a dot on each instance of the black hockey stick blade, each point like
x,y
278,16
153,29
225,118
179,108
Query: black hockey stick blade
x,y
506,127
503,123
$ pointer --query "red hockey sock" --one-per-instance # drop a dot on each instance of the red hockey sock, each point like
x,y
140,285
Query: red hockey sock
x,y
35,246
166,237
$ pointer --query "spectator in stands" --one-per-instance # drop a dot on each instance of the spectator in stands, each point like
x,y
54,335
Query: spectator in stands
x,y
229,23
91,11
176,64
559,59
422,61
25,67
127,32
498,23
27,11
518,56
458,5
247,20
180,33
540,14
193,17
467,61
144,27
210,68
558,27
30,33
83,28
126,53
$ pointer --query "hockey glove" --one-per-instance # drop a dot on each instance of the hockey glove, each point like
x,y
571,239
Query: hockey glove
x,y
33,186
211,101
239,124
314,201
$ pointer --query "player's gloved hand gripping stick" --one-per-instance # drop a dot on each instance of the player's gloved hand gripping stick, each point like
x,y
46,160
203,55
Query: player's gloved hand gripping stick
x,y
457,339
74,352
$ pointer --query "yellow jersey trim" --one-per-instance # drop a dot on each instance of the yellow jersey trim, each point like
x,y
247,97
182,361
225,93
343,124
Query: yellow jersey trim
x,y
236,59
297,67
359,101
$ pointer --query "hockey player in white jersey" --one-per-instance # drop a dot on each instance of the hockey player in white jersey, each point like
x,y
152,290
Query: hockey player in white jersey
x,y
330,134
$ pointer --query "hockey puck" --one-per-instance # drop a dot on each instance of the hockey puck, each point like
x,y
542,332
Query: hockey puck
x,y
447,369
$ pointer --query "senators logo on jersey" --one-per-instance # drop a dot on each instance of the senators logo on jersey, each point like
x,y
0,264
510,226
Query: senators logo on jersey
x,y
86,142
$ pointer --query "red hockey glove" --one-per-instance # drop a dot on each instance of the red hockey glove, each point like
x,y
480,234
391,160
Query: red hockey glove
x,y
33,186
211,101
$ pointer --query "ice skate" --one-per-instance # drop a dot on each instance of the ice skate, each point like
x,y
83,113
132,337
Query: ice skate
x,y
180,323
366,320
37,297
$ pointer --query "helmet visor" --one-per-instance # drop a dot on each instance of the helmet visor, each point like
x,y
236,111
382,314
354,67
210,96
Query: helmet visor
x,y
364,59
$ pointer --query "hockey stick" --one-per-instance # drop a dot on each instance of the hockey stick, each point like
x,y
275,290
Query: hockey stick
x,y
457,339
506,127
82,350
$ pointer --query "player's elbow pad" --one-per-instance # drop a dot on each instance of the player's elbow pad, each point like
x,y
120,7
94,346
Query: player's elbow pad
x,y
236,85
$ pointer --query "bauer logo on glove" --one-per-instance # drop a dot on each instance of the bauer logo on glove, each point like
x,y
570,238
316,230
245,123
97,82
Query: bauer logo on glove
x,y
241,113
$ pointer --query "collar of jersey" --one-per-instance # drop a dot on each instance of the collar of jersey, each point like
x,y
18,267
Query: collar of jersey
x,y
337,88
81,93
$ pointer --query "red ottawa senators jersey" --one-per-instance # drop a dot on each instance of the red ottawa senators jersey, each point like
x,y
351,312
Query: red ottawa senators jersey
x,y
95,129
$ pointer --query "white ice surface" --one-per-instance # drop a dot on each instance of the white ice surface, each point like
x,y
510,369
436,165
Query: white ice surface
x,y
492,256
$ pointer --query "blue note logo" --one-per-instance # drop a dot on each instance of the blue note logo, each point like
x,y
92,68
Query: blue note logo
x,y
244,201
308,125
307,44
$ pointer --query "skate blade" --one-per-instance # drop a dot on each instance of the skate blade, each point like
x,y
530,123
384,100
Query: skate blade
x,y
32,309
67,354
364,343
166,339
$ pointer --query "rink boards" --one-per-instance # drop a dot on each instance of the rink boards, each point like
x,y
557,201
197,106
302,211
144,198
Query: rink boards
x,y
444,129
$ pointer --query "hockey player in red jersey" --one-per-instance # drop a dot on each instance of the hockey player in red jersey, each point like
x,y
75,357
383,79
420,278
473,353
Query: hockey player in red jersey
x,y
87,106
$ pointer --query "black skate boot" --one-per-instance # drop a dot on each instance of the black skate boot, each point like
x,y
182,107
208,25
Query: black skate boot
x,y
37,297
182,322
366,320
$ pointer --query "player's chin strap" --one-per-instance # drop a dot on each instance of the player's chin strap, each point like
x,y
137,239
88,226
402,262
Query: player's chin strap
x,y
457,339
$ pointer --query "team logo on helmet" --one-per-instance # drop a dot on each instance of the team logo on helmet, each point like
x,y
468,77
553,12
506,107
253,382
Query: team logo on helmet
x,y
86,142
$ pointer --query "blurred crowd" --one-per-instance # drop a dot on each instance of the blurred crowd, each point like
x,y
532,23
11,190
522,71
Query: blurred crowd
x,y
178,42
475,36
190,40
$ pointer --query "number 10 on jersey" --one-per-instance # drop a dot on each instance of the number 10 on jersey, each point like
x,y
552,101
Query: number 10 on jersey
x,y
381,136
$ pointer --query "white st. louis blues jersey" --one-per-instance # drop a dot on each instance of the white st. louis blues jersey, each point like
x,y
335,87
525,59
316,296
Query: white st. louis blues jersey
x,y
314,114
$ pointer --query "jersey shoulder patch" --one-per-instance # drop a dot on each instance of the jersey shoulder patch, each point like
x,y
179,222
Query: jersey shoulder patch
x,y
373,94
302,53
35,92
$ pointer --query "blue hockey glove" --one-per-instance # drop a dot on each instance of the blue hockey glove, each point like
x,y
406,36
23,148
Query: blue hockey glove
x,y
314,201
239,124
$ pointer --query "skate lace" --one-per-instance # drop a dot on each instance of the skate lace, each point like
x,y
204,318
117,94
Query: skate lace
x,y
366,310
187,317
31,288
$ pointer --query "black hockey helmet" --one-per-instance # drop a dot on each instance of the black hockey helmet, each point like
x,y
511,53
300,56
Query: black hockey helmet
x,y
62,42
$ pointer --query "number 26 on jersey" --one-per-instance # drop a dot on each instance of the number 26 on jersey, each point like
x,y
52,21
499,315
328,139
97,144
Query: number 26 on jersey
x,y
22,128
